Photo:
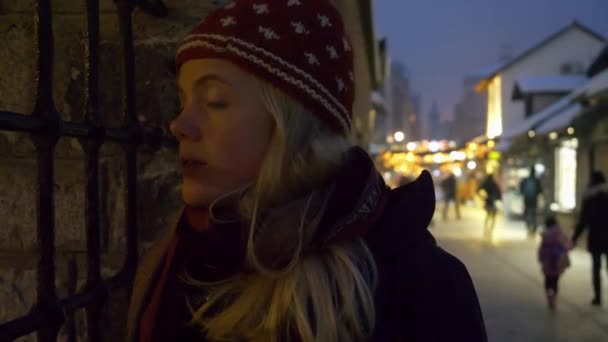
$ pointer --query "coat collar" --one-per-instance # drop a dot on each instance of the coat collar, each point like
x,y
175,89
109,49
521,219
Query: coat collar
x,y
403,226
357,200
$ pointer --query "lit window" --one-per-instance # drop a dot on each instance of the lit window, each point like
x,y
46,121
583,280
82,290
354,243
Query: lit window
x,y
565,174
494,124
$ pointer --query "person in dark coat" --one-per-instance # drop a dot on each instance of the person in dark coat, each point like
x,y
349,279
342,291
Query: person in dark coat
x,y
492,195
530,189
449,187
288,232
593,217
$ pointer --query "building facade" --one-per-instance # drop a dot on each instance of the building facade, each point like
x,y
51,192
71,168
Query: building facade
x,y
574,46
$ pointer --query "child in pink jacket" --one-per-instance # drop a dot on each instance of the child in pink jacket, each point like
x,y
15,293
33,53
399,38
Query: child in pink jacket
x,y
553,256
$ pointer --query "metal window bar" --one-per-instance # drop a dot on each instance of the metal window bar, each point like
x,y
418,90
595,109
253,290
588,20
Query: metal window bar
x,y
46,127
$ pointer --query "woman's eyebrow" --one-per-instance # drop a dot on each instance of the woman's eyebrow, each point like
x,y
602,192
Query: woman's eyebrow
x,y
204,79
211,77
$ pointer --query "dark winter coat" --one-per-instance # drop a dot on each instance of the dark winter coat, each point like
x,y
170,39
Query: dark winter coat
x,y
424,293
531,199
448,186
593,216
493,193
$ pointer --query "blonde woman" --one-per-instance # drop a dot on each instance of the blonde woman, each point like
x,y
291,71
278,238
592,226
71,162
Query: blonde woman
x,y
288,232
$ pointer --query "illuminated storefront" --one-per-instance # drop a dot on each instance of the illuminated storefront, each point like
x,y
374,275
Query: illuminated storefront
x,y
565,175
494,124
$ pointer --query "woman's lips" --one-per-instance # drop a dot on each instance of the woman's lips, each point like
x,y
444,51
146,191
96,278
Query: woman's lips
x,y
191,167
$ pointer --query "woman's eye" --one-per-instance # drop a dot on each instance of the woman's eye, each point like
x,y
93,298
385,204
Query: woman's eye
x,y
217,104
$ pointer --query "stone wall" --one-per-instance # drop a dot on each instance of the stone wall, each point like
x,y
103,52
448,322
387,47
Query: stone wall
x,y
155,40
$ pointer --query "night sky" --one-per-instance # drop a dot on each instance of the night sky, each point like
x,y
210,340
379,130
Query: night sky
x,y
441,41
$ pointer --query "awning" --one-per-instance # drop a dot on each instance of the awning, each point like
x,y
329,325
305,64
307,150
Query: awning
x,y
553,84
595,86
561,113
561,120
530,123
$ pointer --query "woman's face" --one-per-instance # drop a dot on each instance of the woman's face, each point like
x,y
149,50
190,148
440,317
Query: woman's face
x,y
223,129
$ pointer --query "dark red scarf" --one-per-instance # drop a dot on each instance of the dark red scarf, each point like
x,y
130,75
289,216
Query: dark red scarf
x,y
212,251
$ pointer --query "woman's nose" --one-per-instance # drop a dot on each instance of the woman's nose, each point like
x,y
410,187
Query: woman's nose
x,y
185,128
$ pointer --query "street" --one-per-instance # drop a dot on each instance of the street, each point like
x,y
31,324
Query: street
x,y
510,285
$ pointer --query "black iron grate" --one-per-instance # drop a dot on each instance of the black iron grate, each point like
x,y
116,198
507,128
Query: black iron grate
x,y
46,127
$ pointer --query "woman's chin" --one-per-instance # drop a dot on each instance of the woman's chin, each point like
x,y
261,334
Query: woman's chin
x,y
195,195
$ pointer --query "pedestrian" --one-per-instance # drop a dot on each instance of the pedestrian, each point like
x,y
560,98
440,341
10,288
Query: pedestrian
x,y
448,187
553,257
288,231
593,216
530,189
492,195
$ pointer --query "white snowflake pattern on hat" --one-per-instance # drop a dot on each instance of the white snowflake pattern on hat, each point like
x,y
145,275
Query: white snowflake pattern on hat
x,y
341,85
324,20
268,32
312,59
333,53
261,8
299,28
228,21
316,73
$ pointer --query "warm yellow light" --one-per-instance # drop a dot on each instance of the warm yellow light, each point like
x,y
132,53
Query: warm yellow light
x,y
399,136
553,135
531,133
457,171
570,130
494,120
438,158
458,155
434,146
491,144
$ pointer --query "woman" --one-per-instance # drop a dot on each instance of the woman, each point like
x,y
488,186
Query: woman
x,y
289,233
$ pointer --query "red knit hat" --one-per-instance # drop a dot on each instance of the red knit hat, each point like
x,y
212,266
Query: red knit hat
x,y
299,46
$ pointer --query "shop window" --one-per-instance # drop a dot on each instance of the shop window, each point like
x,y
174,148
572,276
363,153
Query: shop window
x,y
565,175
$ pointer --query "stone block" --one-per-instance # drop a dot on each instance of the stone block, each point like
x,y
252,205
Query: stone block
x,y
18,204
18,63
17,293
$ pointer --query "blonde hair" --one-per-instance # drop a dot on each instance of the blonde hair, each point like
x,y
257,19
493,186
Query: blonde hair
x,y
288,292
